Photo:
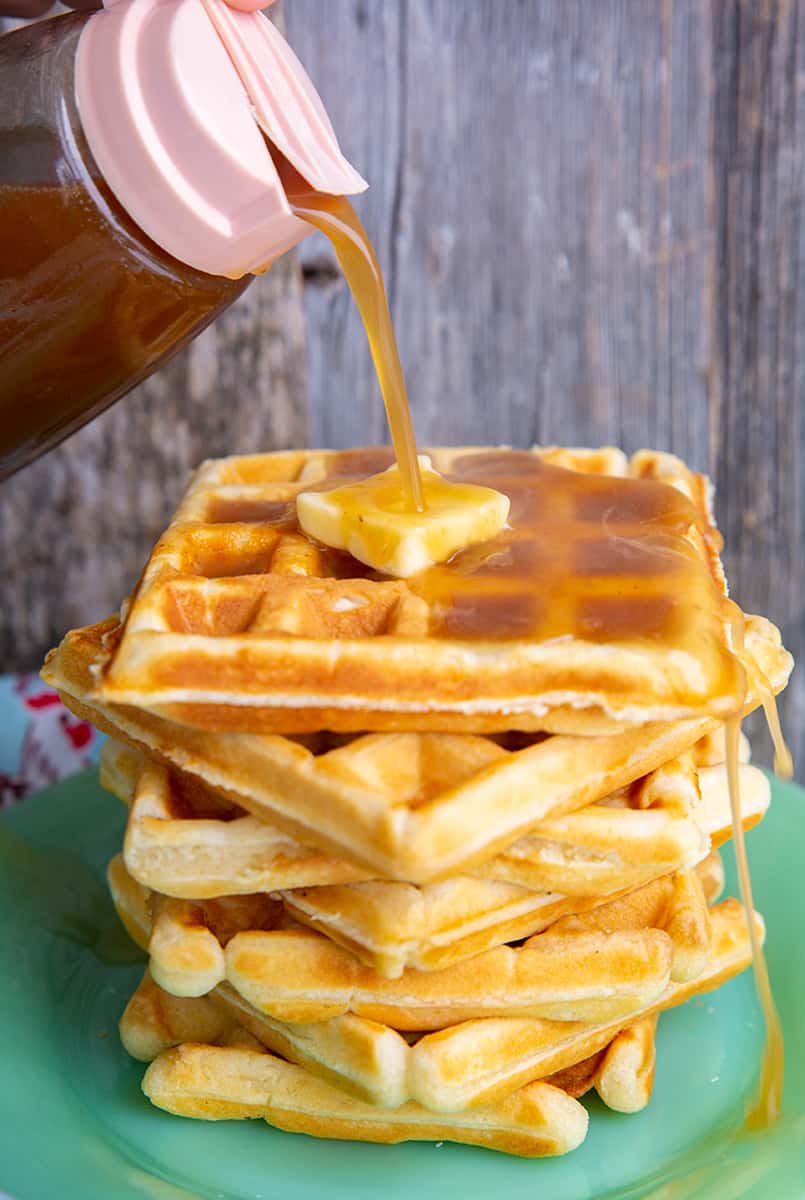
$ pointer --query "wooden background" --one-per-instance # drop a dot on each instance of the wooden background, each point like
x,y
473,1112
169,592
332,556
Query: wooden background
x,y
590,216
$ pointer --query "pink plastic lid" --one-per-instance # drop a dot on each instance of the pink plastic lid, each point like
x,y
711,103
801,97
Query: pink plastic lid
x,y
173,95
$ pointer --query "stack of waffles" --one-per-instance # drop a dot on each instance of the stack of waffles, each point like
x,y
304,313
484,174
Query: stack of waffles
x,y
404,865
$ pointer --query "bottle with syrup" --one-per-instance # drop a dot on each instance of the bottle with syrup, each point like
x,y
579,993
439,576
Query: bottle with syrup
x,y
138,195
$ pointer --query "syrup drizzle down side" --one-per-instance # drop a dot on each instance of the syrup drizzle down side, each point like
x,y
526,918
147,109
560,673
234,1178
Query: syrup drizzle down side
x,y
766,1107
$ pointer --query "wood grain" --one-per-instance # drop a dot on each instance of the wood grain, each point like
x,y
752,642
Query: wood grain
x,y
590,216
758,403
540,210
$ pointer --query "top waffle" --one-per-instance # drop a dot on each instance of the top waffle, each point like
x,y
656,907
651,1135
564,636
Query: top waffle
x,y
600,602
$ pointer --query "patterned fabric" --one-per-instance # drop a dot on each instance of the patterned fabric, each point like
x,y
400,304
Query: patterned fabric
x,y
40,741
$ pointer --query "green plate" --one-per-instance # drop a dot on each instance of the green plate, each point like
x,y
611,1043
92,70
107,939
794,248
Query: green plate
x,y
74,1124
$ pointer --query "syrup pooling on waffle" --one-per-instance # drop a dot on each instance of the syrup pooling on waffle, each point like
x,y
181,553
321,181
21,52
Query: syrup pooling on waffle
x,y
238,607
615,549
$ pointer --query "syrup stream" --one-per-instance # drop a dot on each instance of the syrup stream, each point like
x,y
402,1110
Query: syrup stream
x,y
338,221
766,1107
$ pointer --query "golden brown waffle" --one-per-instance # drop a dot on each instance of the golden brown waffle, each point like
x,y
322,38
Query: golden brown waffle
x,y
577,973
187,940
449,1070
299,976
413,807
373,1061
607,962
155,1021
625,1075
393,925
477,1060
189,845
225,1083
240,621
390,925
172,850
675,903
711,876
363,1058
631,837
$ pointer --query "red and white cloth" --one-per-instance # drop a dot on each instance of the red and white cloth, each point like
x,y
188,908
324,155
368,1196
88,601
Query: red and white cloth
x,y
40,740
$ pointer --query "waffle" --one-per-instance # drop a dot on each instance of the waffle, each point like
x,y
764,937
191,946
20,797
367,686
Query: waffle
x,y
475,1061
464,1065
187,842
154,1021
711,876
223,1083
187,940
391,926
412,807
624,1076
578,974
673,903
631,837
191,845
299,976
240,621
605,962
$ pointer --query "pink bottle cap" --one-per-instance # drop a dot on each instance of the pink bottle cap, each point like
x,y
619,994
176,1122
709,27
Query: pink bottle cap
x,y
173,95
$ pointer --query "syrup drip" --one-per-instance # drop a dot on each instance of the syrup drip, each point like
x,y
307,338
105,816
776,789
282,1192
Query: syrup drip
x,y
766,1107
335,217
783,763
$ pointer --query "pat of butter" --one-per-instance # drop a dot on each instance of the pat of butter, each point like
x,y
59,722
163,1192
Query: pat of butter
x,y
369,519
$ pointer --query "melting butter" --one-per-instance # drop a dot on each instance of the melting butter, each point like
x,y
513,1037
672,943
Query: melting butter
x,y
372,520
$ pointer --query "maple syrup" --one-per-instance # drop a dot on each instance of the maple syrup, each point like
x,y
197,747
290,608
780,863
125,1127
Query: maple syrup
x,y
335,217
597,558
87,310
766,1106
88,304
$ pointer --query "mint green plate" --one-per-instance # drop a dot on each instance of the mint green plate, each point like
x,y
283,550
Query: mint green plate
x,y
74,1124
